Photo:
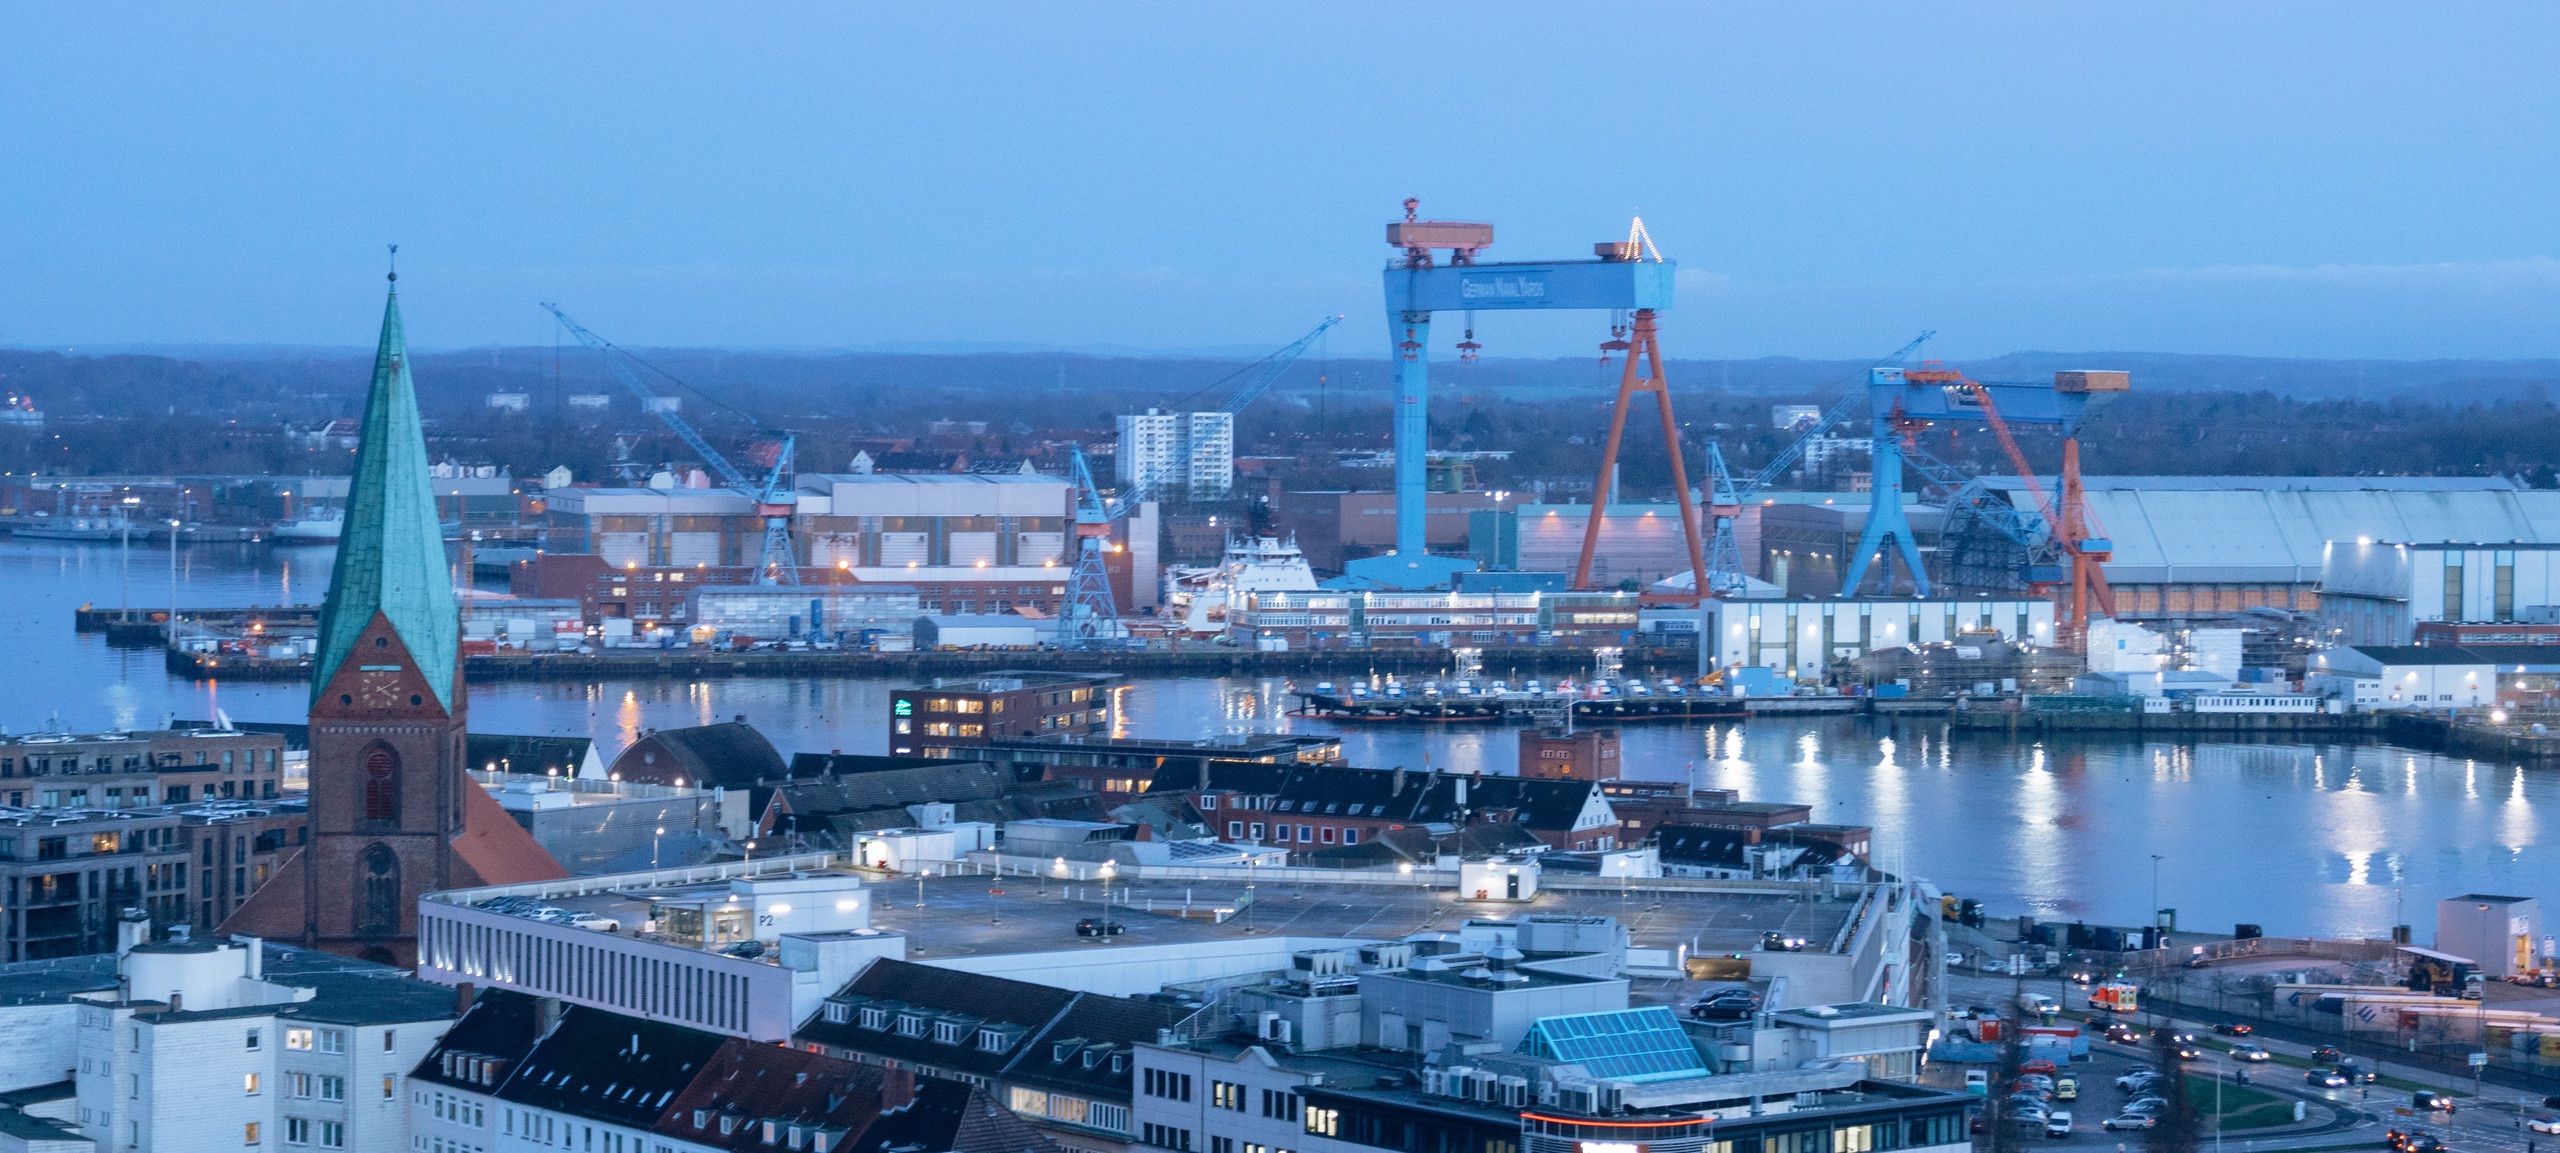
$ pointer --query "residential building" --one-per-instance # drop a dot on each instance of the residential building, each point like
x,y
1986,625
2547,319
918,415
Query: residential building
x,y
1188,454
188,1044
66,875
1118,769
955,716
520,1073
139,769
1059,1059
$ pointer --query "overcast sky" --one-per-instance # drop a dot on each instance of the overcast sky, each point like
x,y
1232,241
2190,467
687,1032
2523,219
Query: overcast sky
x,y
2326,180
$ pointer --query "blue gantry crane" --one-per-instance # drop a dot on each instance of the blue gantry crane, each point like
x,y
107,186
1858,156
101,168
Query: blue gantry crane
x,y
1727,496
775,496
1629,277
2061,545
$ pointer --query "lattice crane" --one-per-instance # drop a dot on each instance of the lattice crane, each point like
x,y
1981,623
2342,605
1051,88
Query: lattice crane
x,y
1089,618
776,496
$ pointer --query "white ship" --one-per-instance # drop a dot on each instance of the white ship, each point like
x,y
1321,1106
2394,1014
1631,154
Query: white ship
x,y
85,528
323,525
1200,596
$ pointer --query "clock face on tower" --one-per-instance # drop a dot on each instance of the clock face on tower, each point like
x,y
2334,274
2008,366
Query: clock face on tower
x,y
379,689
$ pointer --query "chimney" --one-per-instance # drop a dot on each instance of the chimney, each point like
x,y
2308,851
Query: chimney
x,y
132,928
1204,774
1461,800
462,994
255,967
1396,789
897,1089
546,1015
742,718
177,1001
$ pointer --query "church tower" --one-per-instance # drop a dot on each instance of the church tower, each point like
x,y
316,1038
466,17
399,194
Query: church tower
x,y
393,813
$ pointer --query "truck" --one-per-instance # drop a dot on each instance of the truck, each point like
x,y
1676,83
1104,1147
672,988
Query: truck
x,y
2115,996
2039,1004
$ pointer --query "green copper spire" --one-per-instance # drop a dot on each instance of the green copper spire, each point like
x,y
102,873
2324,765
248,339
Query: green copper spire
x,y
391,550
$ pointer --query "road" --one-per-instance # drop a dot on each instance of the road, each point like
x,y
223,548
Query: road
x,y
2354,1117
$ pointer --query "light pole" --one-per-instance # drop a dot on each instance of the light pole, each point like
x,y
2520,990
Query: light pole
x,y
653,847
173,586
2155,891
921,874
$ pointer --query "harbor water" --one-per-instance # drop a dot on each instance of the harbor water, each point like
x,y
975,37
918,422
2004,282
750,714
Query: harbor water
x,y
2302,838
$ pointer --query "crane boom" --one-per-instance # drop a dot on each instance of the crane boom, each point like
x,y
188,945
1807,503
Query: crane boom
x,y
774,499
1272,366
693,440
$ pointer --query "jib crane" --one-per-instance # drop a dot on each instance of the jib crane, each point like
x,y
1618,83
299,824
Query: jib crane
x,y
775,497
1627,277
1267,371
1089,618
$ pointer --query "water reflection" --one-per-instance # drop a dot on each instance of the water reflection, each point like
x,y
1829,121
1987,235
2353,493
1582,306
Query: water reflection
x,y
2298,837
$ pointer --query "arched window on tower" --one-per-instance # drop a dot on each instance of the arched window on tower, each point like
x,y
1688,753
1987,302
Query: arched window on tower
x,y
381,785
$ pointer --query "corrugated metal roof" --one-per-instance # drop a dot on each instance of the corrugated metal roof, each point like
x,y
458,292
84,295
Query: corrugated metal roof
x,y
2224,530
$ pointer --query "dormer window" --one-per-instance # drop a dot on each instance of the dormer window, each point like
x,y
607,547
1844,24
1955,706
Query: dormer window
x,y
1119,1062
728,1125
770,1132
992,1040
910,1025
792,1138
875,1018
838,1013
1092,1057
701,1118
1209,801
947,1032
1059,1051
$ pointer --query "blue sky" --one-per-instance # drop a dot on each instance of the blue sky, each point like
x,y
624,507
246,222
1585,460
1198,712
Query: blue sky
x,y
2326,180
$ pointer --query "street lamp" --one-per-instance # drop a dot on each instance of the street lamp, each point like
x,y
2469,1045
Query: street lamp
x,y
653,847
921,874
2155,891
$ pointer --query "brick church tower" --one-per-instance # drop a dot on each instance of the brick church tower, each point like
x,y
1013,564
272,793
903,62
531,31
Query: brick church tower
x,y
393,814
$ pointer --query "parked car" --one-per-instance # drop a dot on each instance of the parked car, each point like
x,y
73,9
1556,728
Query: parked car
x,y
2249,1053
1977,1082
2129,1121
745,950
1095,927
2326,1078
2039,1065
2232,1029
2146,1105
2136,1074
2066,1088
2057,1124
2431,1100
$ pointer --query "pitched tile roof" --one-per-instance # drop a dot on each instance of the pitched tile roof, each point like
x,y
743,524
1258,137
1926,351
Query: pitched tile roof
x,y
616,1069
748,1084
953,1116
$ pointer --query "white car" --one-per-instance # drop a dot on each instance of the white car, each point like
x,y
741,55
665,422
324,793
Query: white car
x,y
599,923
2544,1123
2057,1124
2130,1121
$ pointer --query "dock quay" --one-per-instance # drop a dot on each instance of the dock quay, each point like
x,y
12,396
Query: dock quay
x,y
700,664
150,626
